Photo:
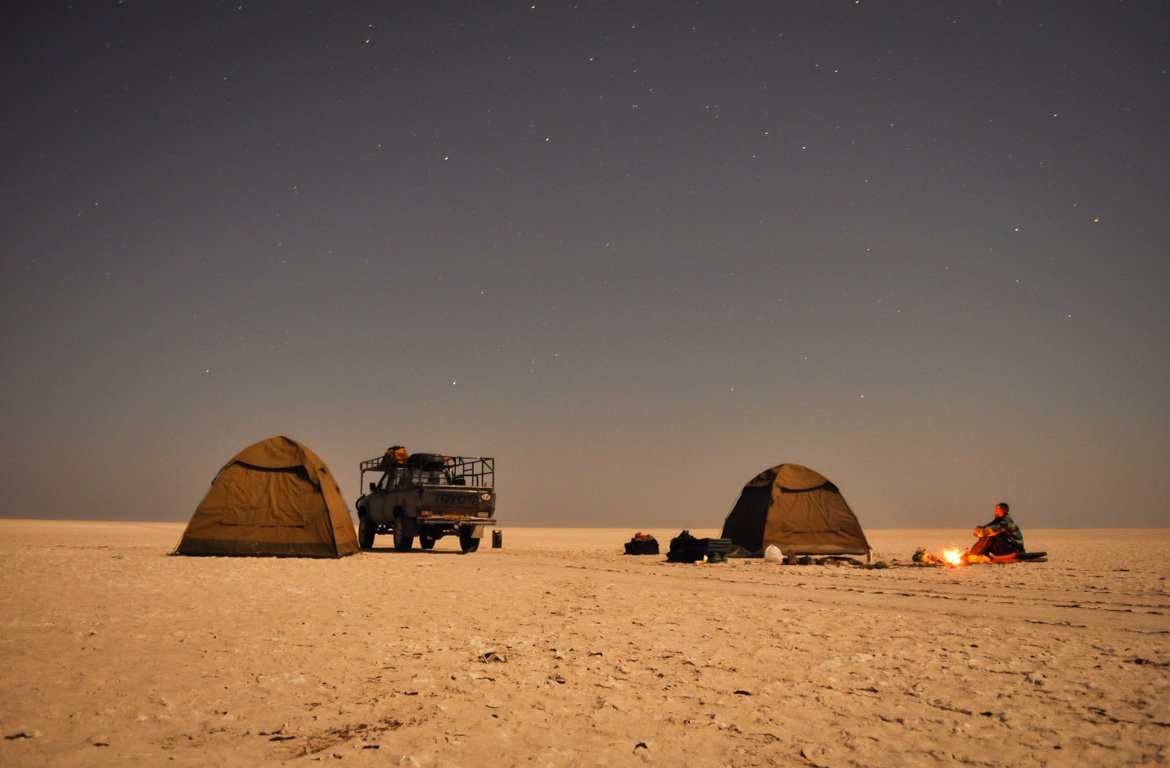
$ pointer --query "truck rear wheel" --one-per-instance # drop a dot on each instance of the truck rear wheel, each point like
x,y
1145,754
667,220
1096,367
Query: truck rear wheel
x,y
468,542
402,542
365,533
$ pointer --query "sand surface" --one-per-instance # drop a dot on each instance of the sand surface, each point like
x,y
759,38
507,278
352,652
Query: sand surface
x,y
557,650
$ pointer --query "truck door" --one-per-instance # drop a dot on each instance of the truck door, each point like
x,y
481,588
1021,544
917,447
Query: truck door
x,y
380,509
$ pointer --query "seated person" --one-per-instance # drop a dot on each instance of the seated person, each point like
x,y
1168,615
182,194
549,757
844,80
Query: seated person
x,y
999,537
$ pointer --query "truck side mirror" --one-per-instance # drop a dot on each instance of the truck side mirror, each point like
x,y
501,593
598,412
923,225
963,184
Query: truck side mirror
x,y
373,487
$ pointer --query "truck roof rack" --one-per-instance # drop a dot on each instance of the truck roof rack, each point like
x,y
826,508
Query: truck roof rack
x,y
478,471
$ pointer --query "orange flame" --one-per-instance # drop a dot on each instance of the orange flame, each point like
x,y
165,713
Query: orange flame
x,y
952,556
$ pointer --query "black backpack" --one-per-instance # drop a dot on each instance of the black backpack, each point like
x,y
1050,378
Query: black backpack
x,y
685,548
645,544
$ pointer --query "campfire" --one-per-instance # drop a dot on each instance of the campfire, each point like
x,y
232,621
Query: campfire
x,y
952,557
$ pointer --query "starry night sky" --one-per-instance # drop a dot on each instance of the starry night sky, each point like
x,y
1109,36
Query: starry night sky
x,y
637,251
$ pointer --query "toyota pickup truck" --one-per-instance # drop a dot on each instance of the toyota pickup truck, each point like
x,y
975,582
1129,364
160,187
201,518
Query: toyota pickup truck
x,y
427,495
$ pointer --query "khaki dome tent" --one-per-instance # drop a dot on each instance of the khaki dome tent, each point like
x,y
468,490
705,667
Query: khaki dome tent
x,y
273,498
796,509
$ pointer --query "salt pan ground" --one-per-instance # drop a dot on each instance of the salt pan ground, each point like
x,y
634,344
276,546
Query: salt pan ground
x,y
557,650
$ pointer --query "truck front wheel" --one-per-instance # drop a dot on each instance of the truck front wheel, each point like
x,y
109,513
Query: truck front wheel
x,y
402,542
365,533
